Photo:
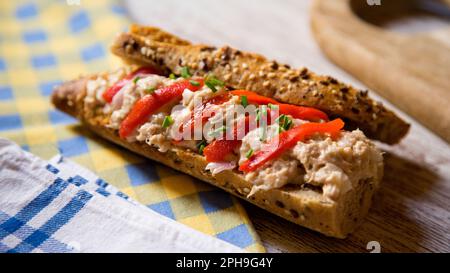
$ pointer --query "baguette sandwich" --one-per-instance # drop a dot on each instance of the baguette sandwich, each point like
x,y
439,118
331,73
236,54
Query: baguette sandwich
x,y
290,141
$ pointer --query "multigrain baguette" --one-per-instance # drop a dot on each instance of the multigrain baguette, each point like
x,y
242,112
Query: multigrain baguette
x,y
242,70
308,198
302,204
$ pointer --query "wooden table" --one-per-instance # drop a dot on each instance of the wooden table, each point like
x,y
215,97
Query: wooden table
x,y
411,213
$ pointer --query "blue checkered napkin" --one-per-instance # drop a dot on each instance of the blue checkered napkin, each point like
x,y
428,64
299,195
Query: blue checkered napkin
x,y
58,206
86,180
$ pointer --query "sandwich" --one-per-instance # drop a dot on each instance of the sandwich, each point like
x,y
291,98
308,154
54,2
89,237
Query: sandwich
x,y
287,140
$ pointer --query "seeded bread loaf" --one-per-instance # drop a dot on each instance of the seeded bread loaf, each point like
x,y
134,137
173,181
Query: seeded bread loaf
x,y
242,70
302,204
307,204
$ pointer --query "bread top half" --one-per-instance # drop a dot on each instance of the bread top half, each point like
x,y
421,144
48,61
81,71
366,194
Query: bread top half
x,y
243,70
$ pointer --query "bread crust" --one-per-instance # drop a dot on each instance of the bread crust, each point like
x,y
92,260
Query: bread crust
x,y
303,205
242,70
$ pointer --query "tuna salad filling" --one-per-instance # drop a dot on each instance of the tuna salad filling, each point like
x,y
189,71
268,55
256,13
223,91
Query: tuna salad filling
x,y
271,143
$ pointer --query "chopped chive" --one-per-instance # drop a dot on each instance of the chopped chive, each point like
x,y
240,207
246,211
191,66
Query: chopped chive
x,y
185,72
217,131
258,115
172,76
263,133
280,129
136,79
212,82
201,146
212,79
244,101
150,90
287,124
168,120
284,123
194,83
262,113
249,153
280,118
264,110
272,106
201,142
212,87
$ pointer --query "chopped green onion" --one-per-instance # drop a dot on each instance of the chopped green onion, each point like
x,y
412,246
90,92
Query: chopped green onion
x,y
258,115
249,153
272,106
284,123
168,120
287,124
210,86
201,142
280,118
185,72
263,133
280,129
212,82
194,83
172,76
217,131
244,101
264,110
201,146
262,113
136,79
150,90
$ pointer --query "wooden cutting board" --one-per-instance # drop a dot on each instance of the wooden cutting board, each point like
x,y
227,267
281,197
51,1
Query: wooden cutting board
x,y
411,70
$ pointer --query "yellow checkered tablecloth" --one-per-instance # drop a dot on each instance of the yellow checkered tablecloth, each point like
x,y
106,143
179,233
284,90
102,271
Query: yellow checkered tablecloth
x,y
43,43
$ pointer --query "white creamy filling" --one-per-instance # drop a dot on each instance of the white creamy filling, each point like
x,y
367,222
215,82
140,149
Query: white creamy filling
x,y
180,114
154,134
200,96
275,174
339,165
253,141
134,91
96,87
218,167
335,165
129,98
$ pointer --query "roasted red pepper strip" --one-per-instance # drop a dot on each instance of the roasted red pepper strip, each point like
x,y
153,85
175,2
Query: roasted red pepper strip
x,y
203,113
109,94
252,97
300,112
219,149
289,139
149,104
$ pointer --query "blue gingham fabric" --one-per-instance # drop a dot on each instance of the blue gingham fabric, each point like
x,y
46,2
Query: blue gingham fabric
x,y
58,206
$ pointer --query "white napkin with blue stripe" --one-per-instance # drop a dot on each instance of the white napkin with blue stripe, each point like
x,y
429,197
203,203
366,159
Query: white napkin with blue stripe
x,y
58,206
